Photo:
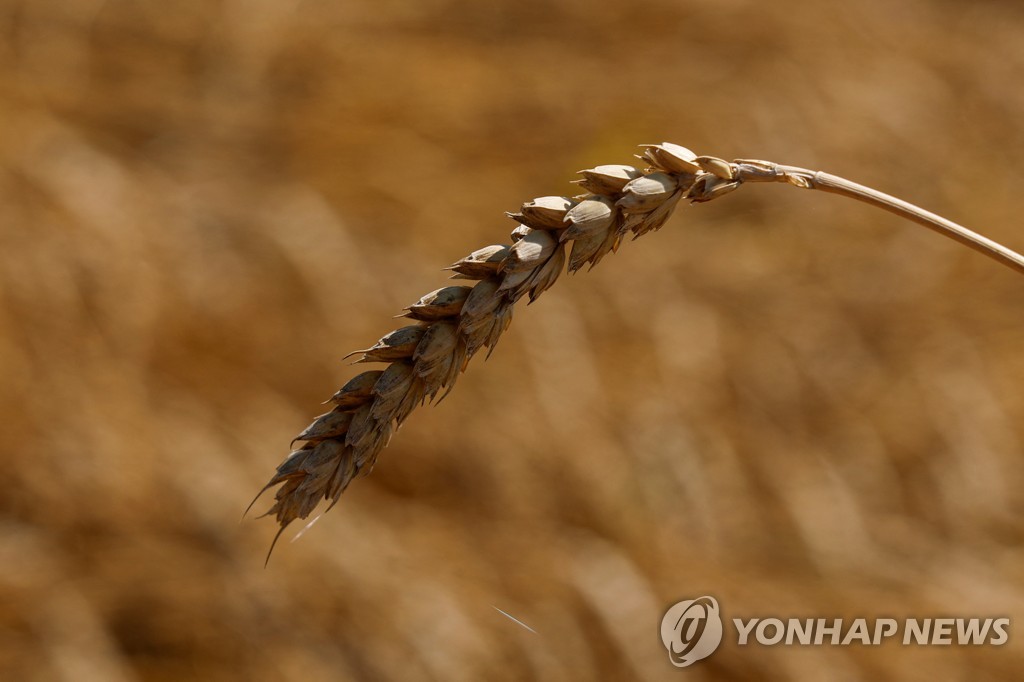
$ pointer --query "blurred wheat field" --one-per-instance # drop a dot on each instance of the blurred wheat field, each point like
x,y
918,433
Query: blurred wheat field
x,y
800,406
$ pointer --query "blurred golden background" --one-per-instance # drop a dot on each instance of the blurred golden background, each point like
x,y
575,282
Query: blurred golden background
x,y
797,404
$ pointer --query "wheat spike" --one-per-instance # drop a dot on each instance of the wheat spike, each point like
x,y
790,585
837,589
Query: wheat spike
x,y
454,323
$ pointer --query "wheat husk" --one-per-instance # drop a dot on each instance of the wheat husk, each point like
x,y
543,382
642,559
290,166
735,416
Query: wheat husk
x,y
554,233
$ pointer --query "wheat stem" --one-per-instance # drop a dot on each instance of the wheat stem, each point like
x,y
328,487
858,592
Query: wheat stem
x,y
833,184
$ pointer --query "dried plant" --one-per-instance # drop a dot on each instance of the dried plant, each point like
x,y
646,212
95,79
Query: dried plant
x,y
451,324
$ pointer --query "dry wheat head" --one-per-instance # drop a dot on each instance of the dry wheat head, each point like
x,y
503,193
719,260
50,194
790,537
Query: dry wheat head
x,y
450,325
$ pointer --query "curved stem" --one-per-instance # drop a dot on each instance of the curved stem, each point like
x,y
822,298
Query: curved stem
x,y
826,182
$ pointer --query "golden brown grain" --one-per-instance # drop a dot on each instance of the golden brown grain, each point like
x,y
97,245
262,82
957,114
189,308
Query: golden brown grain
x,y
455,322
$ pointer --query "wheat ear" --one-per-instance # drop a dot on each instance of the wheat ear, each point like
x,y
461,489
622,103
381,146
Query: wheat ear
x,y
452,324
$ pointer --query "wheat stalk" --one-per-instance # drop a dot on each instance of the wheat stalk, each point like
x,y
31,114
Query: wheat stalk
x,y
452,324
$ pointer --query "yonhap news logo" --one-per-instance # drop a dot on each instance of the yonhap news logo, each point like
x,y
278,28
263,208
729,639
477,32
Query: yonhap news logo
x,y
872,631
692,629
